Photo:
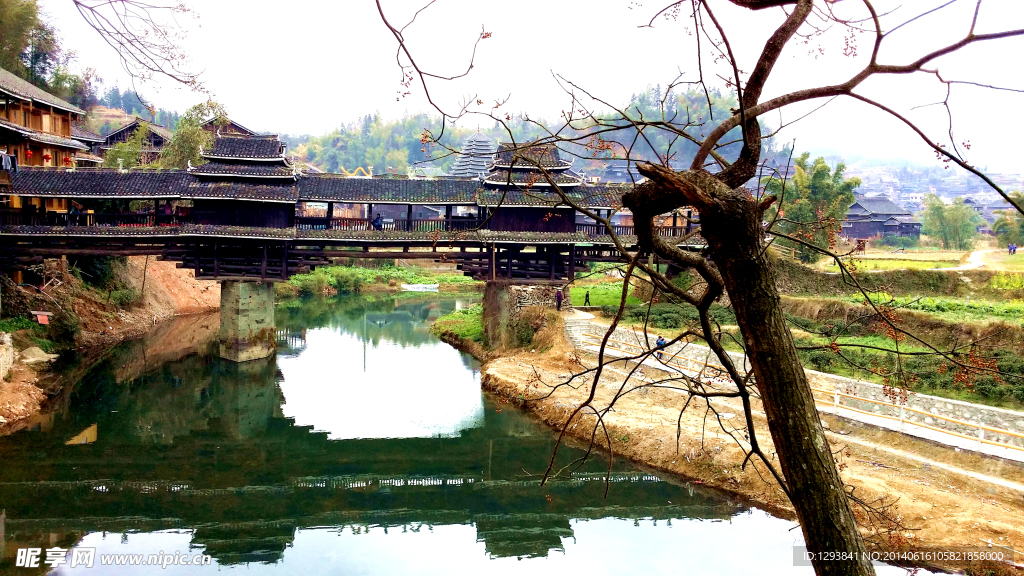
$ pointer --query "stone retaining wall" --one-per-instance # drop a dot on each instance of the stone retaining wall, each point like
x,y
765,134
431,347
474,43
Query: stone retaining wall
x,y
693,357
6,355
504,304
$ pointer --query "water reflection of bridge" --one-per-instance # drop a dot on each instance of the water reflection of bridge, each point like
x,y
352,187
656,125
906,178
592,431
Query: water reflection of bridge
x,y
202,444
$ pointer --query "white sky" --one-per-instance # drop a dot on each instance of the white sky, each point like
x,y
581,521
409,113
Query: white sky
x,y
309,66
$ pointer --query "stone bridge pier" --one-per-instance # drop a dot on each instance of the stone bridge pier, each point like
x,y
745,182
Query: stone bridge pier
x,y
246,320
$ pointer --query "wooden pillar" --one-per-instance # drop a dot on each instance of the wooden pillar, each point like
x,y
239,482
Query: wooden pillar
x,y
551,262
197,259
263,266
216,260
369,211
508,264
330,215
156,209
675,215
284,261
571,272
448,217
408,219
689,222
491,265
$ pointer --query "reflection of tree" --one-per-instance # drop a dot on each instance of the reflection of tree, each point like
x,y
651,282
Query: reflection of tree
x,y
404,320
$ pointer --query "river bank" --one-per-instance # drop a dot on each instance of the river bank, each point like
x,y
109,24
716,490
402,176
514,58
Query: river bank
x,y
165,292
942,497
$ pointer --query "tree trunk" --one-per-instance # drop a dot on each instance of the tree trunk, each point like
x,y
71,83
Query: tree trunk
x,y
731,225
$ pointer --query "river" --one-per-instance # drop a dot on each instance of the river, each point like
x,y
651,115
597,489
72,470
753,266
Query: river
x,y
365,447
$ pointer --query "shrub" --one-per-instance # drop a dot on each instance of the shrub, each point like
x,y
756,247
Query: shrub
x,y
64,326
314,283
900,242
124,297
19,323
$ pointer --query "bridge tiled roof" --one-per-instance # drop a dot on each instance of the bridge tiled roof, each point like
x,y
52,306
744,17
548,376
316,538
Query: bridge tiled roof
x,y
237,231
243,170
98,183
240,191
269,147
118,231
439,236
333,188
584,196
112,183
535,178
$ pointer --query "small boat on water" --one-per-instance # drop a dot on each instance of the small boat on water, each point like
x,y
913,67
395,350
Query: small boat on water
x,y
420,287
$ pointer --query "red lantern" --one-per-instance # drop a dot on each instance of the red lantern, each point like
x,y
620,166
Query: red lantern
x,y
67,160
28,154
46,157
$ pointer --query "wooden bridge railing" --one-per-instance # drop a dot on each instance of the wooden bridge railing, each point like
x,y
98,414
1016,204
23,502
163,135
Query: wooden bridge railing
x,y
28,218
600,230
320,223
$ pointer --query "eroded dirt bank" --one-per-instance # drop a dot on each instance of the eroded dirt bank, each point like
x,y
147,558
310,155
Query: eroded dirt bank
x,y
943,497
168,292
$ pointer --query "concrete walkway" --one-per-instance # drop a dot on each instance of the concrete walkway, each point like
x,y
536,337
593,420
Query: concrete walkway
x,y
908,428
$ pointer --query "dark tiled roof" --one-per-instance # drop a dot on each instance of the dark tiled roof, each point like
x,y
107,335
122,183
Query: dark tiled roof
x,y
532,178
240,191
328,187
42,137
87,157
439,236
154,128
530,155
236,231
246,147
15,86
97,183
583,196
878,206
263,170
79,133
477,154
230,123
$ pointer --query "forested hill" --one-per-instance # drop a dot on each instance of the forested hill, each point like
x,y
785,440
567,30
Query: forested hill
x,y
397,144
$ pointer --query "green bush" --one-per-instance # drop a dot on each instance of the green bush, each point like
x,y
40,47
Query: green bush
x,y
64,326
9,325
124,297
310,284
900,242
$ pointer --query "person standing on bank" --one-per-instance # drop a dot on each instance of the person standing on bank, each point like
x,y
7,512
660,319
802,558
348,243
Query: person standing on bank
x,y
558,300
586,299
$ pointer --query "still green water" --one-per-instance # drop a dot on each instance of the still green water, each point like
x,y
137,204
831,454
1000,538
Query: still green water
x,y
365,447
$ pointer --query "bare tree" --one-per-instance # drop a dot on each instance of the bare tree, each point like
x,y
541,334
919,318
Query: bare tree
x,y
732,222
146,36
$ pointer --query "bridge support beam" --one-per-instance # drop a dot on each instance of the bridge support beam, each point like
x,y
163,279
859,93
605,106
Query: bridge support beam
x,y
246,320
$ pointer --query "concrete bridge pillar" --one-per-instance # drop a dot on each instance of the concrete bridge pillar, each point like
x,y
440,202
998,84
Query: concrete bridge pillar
x,y
246,320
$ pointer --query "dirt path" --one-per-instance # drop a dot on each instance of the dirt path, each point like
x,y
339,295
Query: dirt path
x,y
974,261
944,497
